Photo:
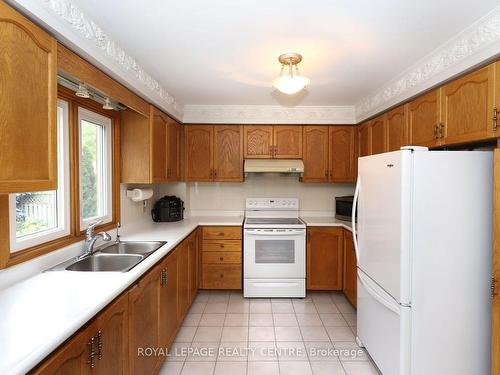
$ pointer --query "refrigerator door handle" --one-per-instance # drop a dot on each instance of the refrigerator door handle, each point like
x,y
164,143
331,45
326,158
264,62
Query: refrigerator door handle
x,y
391,305
353,217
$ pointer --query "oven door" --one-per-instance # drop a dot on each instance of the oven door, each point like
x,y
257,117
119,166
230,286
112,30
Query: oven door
x,y
275,253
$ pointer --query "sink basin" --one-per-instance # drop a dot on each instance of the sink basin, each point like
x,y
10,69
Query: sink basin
x,y
132,247
106,263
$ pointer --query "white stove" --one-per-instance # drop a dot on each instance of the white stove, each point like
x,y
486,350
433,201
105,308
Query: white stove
x,y
274,248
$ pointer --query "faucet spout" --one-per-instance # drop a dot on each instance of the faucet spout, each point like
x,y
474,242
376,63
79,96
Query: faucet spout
x,y
91,239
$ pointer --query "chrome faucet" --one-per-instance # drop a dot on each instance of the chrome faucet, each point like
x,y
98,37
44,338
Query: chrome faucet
x,y
90,240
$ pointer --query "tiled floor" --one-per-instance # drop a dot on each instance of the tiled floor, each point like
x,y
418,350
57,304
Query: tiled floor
x,y
225,333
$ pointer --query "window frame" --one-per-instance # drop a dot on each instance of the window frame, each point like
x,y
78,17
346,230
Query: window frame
x,y
63,193
106,167
8,258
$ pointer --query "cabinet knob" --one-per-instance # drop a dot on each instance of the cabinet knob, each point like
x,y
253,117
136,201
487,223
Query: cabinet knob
x,y
221,275
222,245
221,259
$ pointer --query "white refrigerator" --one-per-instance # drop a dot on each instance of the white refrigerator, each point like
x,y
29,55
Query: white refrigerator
x,y
423,240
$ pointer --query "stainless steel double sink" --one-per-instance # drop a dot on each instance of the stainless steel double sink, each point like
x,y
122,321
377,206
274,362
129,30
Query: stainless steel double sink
x,y
116,257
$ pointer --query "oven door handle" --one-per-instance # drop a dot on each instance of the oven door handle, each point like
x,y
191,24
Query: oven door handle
x,y
255,233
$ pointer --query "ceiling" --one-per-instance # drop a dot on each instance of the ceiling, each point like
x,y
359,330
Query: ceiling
x,y
225,53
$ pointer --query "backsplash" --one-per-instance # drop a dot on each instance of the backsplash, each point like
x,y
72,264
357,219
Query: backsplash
x,y
230,196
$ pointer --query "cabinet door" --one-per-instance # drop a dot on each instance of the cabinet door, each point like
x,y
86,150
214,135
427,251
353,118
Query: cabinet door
x,y
378,135
350,269
228,153
168,301
342,154
199,144
257,142
113,338
158,145
144,304
28,139
72,357
423,119
397,128
173,150
324,258
364,139
315,154
287,142
467,107
193,260
182,279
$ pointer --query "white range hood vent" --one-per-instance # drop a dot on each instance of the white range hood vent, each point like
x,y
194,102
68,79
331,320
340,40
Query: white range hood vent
x,y
287,166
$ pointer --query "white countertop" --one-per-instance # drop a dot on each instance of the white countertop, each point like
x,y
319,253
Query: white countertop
x,y
326,221
40,313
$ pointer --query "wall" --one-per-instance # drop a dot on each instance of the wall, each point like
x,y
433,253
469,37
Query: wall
x,y
229,196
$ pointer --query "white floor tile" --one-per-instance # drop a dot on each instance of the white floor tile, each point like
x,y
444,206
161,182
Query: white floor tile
x,y
327,368
350,319
309,320
179,351
333,320
171,368
291,351
238,307
203,351
263,368
288,334
285,320
360,368
236,320
314,333
233,351
261,320
260,307
340,334
321,351
304,307
329,308
345,308
262,351
208,334
350,351
295,368
185,334
321,297
230,368
198,368
212,320
216,308
234,334
197,307
261,334
192,320
218,297
282,307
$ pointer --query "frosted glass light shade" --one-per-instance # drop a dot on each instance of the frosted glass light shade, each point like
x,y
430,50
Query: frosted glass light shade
x,y
291,84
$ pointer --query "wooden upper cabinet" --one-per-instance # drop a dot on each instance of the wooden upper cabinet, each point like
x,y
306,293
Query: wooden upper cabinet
x,y
257,141
28,125
287,142
113,337
173,150
158,157
198,152
324,258
423,119
397,128
316,154
364,139
378,135
342,154
228,153
467,107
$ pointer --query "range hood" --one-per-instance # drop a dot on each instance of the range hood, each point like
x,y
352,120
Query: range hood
x,y
273,166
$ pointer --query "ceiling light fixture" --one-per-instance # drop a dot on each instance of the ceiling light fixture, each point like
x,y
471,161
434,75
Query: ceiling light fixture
x,y
82,91
290,82
107,104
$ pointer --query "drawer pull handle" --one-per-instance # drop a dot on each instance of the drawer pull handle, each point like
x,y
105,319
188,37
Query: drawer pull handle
x,y
221,275
222,245
221,233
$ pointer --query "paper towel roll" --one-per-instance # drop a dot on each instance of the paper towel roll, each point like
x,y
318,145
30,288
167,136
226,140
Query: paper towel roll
x,y
138,195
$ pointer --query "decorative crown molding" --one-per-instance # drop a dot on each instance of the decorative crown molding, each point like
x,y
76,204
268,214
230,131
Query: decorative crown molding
x,y
474,45
68,21
262,114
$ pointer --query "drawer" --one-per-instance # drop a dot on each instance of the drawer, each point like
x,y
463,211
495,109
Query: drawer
x,y
227,245
220,276
216,233
221,257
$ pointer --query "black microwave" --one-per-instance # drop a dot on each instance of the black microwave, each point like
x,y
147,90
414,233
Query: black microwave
x,y
343,207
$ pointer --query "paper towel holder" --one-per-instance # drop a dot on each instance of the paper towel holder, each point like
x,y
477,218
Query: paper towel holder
x,y
138,195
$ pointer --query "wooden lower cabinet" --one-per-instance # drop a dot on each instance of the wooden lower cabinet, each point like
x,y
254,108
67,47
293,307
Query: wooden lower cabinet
x,y
182,279
221,258
324,258
168,301
144,309
350,269
193,261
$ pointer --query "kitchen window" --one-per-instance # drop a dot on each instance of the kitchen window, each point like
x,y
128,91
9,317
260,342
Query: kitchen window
x,y
39,217
95,167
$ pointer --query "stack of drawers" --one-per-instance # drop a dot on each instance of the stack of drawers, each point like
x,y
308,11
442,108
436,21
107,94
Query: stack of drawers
x,y
221,258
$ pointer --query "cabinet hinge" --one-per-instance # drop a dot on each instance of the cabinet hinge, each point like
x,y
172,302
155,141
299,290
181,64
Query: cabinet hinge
x,y
495,118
